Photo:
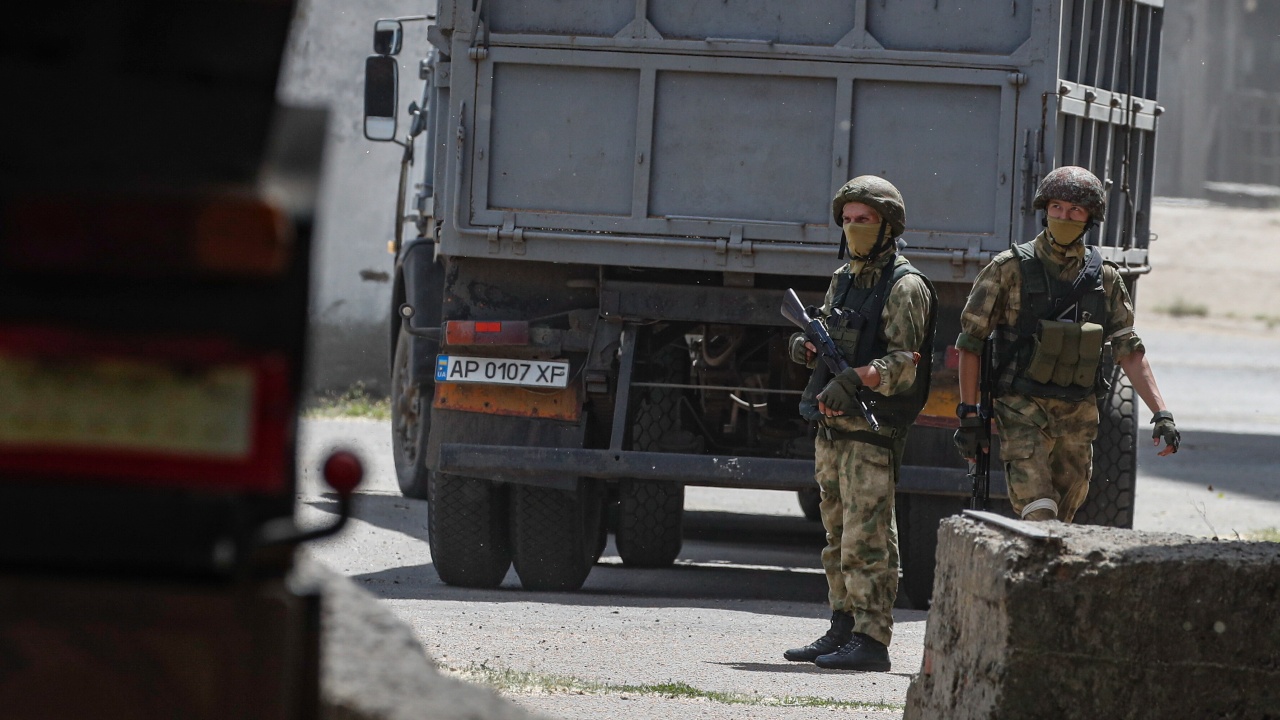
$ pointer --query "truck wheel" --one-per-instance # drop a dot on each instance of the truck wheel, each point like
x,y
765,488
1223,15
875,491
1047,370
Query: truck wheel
x,y
918,518
1115,460
467,529
410,422
650,525
809,499
555,534
650,522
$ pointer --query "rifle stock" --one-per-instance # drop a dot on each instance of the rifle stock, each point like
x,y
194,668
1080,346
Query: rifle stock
x,y
794,311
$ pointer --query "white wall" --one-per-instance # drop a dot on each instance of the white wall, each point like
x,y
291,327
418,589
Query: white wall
x,y
351,290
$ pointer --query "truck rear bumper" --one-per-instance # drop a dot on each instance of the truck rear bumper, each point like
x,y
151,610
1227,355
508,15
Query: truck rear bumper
x,y
560,468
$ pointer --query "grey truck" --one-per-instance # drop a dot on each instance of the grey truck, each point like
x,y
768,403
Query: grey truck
x,y
603,201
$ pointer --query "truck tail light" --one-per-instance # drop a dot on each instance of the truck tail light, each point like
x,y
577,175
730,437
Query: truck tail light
x,y
197,414
486,332
123,235
951,360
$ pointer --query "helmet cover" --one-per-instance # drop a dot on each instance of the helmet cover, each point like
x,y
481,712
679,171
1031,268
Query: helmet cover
x,y
877,193
1074,185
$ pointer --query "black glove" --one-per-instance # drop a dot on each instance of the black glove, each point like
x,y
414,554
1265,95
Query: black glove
x,y
841,393
969,438
797,351
1165,429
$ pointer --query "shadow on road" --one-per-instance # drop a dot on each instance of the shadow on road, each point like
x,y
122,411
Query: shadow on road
x,y
795,669
1235,463
726,557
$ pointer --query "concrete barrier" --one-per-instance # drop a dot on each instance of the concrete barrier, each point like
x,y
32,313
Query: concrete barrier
x,y
373,667
1092,622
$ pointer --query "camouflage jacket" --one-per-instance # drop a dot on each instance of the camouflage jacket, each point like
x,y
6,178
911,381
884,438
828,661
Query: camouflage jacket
x,y
903,326
996,299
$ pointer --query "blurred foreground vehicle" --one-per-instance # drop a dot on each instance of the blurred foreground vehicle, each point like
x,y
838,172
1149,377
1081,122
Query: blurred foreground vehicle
x,y
155,222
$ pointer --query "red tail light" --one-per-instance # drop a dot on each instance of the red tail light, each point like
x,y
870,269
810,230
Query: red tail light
x,y
486,332
223,234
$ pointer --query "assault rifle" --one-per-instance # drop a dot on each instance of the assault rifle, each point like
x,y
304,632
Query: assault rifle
x,y
980,466
814,332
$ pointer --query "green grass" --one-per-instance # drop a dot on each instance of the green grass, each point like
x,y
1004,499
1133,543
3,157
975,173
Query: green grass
x,y
1182,308
1268,535
1269,320
517,682
354,402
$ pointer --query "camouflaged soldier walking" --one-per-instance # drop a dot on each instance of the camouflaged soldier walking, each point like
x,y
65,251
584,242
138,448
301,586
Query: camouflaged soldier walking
x,y
880,311
1050,305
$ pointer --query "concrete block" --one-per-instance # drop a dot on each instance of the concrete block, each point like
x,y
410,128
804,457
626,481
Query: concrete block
x,y
1094,622
374,668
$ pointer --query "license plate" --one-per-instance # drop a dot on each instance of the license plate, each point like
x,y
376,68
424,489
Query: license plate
x,y
502,371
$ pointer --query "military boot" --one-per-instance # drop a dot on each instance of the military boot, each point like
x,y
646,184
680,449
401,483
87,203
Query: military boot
x,y
862,652
839,633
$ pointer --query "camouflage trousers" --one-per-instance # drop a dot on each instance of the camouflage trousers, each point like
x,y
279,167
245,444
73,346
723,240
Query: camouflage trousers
x,y
1047,449
861,557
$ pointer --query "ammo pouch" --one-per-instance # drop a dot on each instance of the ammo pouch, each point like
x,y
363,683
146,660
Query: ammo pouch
x,y
845,327
1065,353
1062,361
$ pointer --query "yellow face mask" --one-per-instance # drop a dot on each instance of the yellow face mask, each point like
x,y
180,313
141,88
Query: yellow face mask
x,y
1065,232
861,237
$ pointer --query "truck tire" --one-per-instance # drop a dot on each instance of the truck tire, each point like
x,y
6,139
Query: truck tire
x,y
467,530
410,421
1115,460
810,499
555,534
650,529
918,518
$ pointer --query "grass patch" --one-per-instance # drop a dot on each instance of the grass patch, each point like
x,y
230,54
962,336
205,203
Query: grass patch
x,y
513,681
354,402
1183,308
1268,535
1269,320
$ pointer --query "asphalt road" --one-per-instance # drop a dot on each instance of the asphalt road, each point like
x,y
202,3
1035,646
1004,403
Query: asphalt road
x,y
748,584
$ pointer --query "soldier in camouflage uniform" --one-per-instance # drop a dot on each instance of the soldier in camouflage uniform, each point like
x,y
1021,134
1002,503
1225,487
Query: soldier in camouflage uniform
x,y
880,311
1046,360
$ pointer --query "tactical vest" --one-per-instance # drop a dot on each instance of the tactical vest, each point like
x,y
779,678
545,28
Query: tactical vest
x,y
1041,356
854,325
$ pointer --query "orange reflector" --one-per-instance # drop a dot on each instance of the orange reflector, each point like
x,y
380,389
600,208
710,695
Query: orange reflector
x,y
486,332
241,235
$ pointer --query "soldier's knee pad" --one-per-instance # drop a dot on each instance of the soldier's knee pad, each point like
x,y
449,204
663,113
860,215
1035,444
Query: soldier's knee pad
x,y
1042,509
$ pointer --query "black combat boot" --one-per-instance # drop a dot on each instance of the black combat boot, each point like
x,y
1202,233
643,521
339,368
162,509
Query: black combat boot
x,y
839,633
862,652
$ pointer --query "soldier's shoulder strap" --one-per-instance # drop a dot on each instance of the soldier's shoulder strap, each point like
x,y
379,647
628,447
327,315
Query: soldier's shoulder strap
x,y
1025,253
902,267
1005,256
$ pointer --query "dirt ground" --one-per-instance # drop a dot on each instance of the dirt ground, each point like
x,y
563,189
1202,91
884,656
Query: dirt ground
x,y
1207,257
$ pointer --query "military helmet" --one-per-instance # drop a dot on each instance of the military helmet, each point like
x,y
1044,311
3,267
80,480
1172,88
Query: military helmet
x,y
879,194
1074,185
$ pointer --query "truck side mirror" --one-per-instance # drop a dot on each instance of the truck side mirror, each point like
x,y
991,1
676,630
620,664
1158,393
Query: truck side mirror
x,y
387,37
381,87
